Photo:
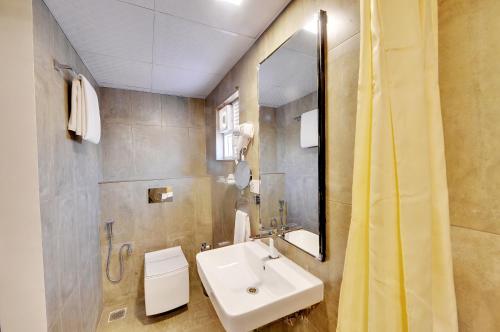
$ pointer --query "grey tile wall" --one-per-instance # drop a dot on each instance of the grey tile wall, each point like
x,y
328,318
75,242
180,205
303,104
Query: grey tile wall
x,y
152,140
151,136
69,173
298,164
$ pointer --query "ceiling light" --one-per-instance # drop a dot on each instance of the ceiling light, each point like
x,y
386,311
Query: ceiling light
x,y
312,25
233,2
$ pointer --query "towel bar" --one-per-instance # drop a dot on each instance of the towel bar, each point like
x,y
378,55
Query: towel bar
x,y
60,67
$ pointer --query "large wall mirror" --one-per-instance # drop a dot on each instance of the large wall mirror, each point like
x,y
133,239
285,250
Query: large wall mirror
x,y
292,139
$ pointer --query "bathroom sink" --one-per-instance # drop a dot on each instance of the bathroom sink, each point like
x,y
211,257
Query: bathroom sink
x,y
249,290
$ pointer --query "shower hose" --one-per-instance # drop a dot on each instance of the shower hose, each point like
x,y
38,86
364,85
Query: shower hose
x,y
120,255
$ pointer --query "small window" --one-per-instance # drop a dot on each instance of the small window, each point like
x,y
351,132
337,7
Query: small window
x,y
228,122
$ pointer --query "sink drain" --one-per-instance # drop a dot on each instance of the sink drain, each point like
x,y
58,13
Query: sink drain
x,y
252,290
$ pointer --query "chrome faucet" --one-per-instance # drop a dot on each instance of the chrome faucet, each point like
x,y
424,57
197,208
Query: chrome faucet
x,y
270,234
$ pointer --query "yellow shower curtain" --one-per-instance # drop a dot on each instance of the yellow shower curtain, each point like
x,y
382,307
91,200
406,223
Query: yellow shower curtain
x,y
398,267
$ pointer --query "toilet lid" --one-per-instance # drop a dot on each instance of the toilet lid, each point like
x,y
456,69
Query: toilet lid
x,y
164,261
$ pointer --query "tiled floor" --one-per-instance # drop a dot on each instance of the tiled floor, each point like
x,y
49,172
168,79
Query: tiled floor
x,y
197,316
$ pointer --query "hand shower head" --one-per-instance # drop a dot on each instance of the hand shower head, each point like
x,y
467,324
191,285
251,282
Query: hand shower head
x,y
109,228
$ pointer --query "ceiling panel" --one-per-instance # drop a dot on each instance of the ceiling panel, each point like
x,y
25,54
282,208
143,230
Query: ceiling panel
x,y
182,82
116,72
150,4
250,18
194,46
106,27
182,46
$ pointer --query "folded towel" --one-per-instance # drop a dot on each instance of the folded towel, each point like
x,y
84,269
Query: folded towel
x,y
91,119
309,129
74,123
241,227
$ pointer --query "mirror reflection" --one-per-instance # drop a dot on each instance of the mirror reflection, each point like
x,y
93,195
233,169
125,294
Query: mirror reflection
x,y
288,129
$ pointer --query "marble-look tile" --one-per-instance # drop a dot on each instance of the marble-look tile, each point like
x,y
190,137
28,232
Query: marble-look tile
x,y
69,172
343,20
151,158
469,99
341,116
71,314
51,260
57,326
117,204
196,109
145,108
69,251
116,106
197,152
476,267
117,152
174,111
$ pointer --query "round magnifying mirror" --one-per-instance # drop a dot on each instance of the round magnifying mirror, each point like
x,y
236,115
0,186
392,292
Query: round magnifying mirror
x,y
242,175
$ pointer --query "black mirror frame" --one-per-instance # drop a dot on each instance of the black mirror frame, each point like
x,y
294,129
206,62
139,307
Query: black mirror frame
x,y
322,149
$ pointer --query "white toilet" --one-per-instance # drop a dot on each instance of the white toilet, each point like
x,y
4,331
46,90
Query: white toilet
x,y
166,280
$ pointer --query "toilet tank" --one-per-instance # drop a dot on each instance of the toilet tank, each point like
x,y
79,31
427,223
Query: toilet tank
x,y
166,280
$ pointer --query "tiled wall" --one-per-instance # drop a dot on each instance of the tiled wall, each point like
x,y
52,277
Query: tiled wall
x,y
152,140
69,173
470,84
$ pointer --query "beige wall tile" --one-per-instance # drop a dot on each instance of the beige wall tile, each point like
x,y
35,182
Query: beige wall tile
x,y
476,267
115,106
145,108
116,152
343,64
469,82
174,111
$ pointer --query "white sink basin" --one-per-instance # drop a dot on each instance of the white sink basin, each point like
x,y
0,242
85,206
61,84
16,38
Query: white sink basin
x,y
282,287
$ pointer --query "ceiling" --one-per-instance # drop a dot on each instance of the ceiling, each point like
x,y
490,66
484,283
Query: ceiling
x,y
180,47
290,72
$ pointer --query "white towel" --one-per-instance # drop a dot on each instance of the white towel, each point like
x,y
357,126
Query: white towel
x,y
85,119
309,129
74,123
241,227
91,119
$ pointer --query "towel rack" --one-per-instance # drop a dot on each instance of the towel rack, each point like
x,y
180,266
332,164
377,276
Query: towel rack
x,y
60,67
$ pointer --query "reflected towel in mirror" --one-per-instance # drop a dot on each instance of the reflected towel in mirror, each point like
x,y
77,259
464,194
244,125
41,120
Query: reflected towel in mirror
x,y
241,227
309,129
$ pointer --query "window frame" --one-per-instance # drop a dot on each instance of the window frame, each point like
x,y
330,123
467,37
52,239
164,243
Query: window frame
x,y
231,133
